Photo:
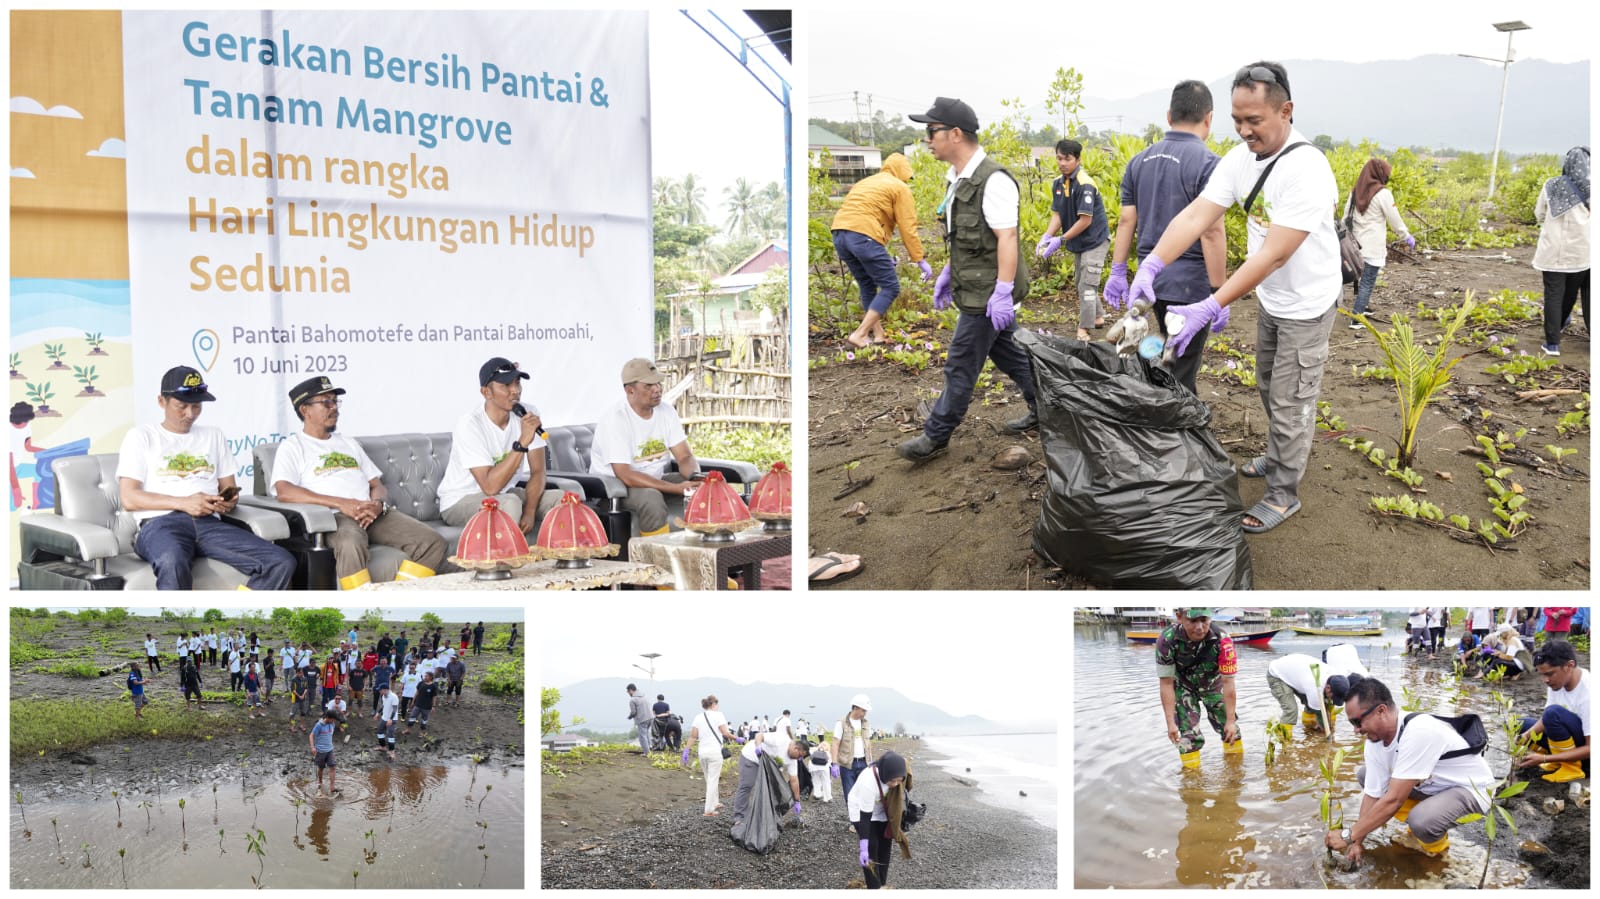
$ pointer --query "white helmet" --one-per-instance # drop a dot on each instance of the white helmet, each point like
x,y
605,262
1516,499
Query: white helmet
x,y
862,700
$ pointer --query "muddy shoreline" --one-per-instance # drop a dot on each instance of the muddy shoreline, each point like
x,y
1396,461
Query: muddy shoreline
x,y
626,825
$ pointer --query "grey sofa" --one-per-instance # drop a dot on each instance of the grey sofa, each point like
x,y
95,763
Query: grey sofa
x,y
87,543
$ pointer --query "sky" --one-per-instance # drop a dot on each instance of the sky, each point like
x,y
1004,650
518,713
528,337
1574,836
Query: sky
x,y
953,655
707,114
895,56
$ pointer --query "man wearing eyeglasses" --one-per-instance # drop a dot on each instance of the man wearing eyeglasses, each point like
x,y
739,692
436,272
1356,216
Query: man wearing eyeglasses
x,y
985,277
321,467
1292,265
177,479
491,446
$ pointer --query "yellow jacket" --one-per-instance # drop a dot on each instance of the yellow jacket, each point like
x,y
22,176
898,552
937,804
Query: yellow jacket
x,y
879,203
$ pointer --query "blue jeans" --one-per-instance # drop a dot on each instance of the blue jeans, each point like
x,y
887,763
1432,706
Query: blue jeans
x,y
173,541
1559,724
848,775
976,340
869,263
1369,277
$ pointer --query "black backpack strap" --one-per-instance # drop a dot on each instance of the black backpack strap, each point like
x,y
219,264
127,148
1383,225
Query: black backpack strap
x,y
1251,199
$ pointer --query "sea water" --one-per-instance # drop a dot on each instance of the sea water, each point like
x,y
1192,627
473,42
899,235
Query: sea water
x,y
1005,766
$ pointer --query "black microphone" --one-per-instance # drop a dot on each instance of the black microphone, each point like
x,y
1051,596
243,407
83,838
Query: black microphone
x,y
518,410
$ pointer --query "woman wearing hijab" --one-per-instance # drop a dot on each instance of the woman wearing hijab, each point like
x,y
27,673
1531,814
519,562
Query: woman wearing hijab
x,y
876,803
1563,252
1374,209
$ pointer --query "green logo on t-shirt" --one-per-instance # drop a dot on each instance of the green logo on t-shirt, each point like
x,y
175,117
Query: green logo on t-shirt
x,y
184,465
653,448
335,462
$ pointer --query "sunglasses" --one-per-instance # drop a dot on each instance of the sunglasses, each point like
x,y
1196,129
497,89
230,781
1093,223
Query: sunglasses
x,y
1263,75
326,404
935,129
1356,721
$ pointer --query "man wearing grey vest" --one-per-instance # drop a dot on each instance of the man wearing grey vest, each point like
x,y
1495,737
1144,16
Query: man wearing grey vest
x,y
985,277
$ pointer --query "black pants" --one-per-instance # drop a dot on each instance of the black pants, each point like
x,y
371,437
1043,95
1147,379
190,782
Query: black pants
x,y
1438,637
154,662
235,680
1562,291
213,654
477,647
879,850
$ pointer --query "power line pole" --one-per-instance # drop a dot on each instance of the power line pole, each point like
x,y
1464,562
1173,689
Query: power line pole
x,y
872,122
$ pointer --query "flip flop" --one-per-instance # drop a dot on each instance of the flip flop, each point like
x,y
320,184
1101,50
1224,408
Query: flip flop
x,y
835,561
1255,468
1268,516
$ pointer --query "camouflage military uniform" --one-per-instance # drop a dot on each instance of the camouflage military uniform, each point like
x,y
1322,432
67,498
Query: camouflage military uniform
x,y
1197,670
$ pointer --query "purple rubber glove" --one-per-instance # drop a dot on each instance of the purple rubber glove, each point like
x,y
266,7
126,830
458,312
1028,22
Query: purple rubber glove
x,y
1411,242
833,770
796,809
760,750
685,756
1195,319
927,271
1048,246
1144,281
865,858
1116,286
1002,311
740,740
1222,320
943,292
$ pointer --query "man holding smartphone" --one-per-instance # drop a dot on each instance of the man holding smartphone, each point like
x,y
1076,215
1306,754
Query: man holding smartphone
x,y
176,478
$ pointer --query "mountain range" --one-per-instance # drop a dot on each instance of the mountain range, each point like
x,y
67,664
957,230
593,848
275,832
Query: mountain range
x,y
603,704
1430,101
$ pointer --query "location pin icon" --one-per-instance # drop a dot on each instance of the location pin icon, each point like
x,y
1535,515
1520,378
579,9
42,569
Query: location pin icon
x,y
206,346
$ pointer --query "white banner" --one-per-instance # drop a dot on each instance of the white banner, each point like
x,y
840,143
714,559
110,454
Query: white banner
x,y
389,199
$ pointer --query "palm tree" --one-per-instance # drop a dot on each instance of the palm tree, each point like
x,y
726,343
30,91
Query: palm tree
x,y
772,214
692,200
742,205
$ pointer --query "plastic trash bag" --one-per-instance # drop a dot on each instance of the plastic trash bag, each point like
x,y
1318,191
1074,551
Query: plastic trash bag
x,y
770,799
1141,494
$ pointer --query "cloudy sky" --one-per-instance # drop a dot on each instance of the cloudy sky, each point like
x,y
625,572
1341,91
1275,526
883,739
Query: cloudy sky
x,y
1124,51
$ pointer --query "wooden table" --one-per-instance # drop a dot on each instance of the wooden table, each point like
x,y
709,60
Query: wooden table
x,y
539,576
693,564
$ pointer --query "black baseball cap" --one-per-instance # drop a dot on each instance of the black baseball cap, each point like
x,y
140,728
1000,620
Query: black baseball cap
x,y
310,387
500,369
184,383
949,111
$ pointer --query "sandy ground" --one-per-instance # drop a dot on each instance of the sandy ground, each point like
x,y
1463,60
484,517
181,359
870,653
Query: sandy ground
x,y
956,523
455,731
621,823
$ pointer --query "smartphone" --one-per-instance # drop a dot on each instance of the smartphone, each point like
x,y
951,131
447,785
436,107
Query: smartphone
x,y
231,493
698,476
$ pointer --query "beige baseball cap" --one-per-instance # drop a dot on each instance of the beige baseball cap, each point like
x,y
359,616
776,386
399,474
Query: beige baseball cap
x,y
641,370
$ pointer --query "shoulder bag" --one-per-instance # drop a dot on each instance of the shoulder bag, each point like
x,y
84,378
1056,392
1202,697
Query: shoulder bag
x,y
1350,261
720,742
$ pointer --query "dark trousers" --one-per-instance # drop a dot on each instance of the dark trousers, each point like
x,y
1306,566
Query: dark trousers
x,y
849,773
171,543
154,662
1438,637
1562,290
1369,278
880,849
1186,368
869,263
477,647
1559,724
235,680
213,654
976,340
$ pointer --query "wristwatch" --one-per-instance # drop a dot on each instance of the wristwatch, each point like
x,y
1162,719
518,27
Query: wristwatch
x,y
385,506
1345,834
517,447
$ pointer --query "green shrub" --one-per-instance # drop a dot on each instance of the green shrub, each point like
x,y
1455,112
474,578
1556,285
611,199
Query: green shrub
x,y
253,620
70,669
116,616
41,613
316,626
372,621
213,616
432,620
88,615
39,725
23,652
282,616
503,678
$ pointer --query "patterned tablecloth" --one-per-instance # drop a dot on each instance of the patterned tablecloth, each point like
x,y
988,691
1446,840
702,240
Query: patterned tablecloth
x,y
540,576
693,564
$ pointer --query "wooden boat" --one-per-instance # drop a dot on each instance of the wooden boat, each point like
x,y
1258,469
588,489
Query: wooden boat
x,y
1254,637
1339,631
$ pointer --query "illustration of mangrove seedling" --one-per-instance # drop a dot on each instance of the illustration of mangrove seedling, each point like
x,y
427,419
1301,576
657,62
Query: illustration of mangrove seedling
x,y
258,847
16,363
1331,809
26,833
86,376
95,341
87,861
122,857
40,395
56,352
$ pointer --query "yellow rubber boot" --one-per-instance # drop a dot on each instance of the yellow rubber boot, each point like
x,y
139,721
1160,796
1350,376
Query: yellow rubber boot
x,y
1234,748
1567,770
411,571
657,532
1190,759
1436,848
1406,805
1333,715
1309,719
353,581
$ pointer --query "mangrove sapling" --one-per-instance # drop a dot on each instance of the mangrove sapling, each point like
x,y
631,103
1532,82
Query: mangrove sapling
x,y
149,825
213,803
1316,675
486,789
257,843
1411,704
372,853
1278,735
221,832
353,876
184,819
1418,377
485,870
122,857
26,833
117,797
87,861
1331,810
57,832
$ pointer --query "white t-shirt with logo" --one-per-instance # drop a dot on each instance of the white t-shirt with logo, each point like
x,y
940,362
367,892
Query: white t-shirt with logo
x,y
622,437
1301,194
336,466
175,464
1415,756
475,443
1575,700
709,722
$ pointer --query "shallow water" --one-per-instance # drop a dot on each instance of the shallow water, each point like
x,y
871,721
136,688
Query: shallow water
x,y
423,823
1004,766
1140,820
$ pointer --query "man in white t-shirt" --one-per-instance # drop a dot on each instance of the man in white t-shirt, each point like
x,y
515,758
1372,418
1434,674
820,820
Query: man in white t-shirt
x,y
172,477
635,441
778,746
491,447
1293,266
1294,685
1420,772
1562,730
985,278
320,467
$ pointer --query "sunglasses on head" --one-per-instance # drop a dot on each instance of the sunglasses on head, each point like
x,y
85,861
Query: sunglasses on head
x,y
1355,720
1263,75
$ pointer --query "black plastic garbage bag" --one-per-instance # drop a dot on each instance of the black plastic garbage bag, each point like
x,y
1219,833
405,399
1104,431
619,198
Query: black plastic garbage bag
x,y
770,799
1141,494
